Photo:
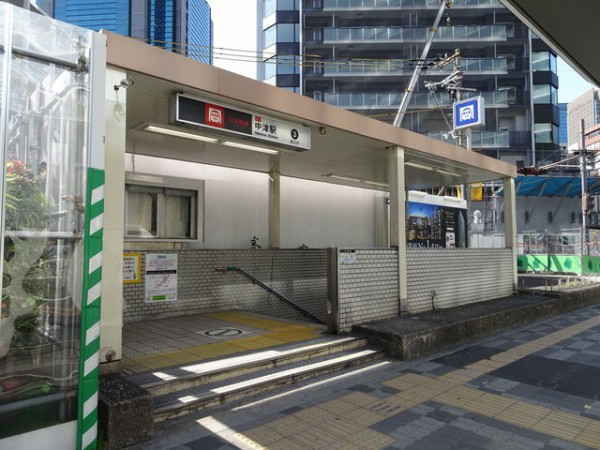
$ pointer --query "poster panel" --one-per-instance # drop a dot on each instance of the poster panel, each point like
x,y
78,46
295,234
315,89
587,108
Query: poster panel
x,y
161,277
431,226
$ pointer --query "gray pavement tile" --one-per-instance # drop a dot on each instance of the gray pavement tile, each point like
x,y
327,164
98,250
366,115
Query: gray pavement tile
x,y
208,443
558,444
362,388
561,355
581,345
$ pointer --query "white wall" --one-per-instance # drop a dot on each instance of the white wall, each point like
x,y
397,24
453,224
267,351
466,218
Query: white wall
x,y
314,214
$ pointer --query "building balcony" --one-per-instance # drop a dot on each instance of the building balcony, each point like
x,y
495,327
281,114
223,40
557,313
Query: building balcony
x,y
391,100
487,66
400,34
330,5
479,139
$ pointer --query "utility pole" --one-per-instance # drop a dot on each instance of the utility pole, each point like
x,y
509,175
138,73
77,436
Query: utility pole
x,y
584,199
415,76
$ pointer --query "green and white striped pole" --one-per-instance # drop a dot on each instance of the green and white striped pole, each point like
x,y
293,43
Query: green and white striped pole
x,y
89,359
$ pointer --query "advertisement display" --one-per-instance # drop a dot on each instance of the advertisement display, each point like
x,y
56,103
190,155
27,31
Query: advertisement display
x,y
432,224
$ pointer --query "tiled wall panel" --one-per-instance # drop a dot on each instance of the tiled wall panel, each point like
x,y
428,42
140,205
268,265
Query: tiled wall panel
x,y
300,275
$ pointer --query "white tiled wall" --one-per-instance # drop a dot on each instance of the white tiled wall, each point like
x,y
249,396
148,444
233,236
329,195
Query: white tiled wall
x,y
300,275
367,286
441,278
436,278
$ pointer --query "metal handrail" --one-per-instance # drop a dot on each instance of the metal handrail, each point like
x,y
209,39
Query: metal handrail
x,y
270,290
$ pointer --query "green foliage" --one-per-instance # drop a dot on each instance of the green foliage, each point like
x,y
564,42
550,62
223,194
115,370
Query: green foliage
x,y
26,203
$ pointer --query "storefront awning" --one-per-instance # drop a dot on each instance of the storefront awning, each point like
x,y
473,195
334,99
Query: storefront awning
x,y
549,186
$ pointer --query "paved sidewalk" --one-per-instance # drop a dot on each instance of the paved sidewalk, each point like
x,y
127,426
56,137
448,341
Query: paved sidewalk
x,y
534,387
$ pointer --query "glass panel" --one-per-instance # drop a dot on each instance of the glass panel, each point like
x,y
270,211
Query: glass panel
x,y
541,93
141,214
269,7
44,163
270,36
178,213
543,133
540,61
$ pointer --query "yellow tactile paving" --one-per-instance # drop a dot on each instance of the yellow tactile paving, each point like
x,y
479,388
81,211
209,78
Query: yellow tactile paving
x,y
523,414
370,439
359,399
288,425
562,425
255,342
337,406
590,436
315,438
489,405
485,366
258,322
274,332
262,435
363,417
314,415
407,381
285,444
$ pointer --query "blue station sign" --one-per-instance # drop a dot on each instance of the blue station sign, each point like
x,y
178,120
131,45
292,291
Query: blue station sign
x,y
468,113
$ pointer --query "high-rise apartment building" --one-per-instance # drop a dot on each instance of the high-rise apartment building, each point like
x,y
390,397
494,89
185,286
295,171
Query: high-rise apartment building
x,y
361,54
182,26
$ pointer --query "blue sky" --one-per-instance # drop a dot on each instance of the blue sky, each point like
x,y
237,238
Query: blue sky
x,y
571,84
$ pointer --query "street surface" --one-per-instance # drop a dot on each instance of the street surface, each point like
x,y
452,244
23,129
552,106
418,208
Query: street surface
x,y
532,387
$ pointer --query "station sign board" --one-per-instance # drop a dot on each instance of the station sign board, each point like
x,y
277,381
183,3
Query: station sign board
x,y
224,119
468,113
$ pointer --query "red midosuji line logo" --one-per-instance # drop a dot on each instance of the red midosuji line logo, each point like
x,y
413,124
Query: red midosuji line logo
x,y
215,116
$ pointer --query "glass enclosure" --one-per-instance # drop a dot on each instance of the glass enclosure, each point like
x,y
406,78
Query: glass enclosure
x,y
44,86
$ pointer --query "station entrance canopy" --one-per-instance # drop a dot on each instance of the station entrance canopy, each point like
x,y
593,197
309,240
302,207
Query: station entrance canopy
x,y
345,148
568,27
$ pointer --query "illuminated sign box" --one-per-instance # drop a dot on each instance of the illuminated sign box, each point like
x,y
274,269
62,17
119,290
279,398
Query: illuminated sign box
x,y
468,113
222,119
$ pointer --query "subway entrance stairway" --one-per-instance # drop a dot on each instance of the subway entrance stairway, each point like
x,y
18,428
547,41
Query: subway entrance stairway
x,y
193,362
270,354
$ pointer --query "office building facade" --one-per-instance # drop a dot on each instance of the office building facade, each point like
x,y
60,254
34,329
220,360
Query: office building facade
x,y
586,107
181,26
361,54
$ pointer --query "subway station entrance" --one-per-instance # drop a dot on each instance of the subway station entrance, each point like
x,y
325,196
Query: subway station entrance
x,y
229,195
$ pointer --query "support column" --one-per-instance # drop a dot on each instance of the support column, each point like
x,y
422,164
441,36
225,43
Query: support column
x,y
510,223
111,341
398,219
274,209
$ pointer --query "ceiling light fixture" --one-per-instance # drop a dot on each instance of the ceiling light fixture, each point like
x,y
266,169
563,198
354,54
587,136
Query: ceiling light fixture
x,y
178,133
418,165
254,148
431,169
447,172
355,180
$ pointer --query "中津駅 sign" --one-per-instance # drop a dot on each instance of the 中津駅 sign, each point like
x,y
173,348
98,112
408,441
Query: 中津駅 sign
x,y
225,119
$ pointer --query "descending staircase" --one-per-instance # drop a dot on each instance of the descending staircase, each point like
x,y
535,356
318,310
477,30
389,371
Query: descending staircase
x,y
179,390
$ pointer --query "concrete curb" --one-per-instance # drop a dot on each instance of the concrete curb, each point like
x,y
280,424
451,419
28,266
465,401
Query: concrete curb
x,y
405,345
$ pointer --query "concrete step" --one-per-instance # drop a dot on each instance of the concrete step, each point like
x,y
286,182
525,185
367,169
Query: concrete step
x,y
175,404
178,378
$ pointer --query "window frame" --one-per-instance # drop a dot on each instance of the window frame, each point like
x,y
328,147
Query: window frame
x,y
164,187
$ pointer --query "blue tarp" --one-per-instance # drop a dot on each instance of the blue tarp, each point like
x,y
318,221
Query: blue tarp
x,y
549,186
